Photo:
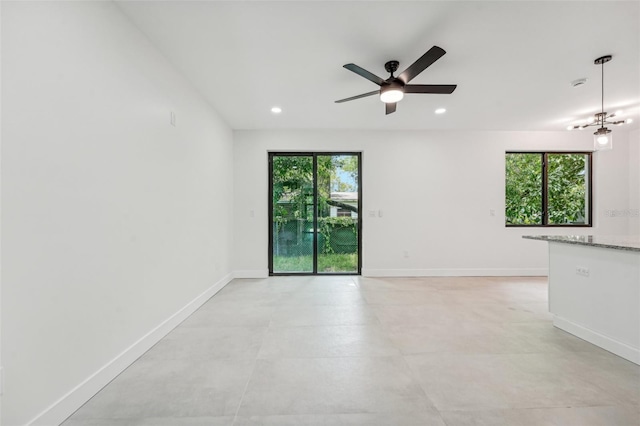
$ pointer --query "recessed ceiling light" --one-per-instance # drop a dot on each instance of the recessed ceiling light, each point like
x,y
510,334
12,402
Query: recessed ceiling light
x,y
276,110
441,111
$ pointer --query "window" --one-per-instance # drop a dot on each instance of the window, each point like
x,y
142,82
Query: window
x,y
548,189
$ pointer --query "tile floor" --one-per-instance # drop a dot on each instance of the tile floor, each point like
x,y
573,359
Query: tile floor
x,y
321,351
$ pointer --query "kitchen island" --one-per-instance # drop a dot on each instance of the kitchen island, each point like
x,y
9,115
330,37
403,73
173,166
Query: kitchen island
x,y
594,289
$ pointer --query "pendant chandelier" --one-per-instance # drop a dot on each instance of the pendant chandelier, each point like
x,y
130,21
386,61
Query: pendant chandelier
x,y
602,138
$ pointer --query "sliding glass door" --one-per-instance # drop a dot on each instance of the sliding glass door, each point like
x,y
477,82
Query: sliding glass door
x,y
292,213
314,213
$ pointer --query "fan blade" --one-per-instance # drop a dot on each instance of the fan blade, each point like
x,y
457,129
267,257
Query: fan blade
x,y
389,108
430,88
364,95
421,64
364,73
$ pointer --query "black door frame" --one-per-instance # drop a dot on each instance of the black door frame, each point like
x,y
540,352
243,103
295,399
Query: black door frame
x,y
314,155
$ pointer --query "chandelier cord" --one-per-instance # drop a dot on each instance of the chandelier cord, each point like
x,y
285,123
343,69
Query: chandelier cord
x,y
602,97
599,118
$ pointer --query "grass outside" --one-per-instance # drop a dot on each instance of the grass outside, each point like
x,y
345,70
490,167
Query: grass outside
x,y
326,263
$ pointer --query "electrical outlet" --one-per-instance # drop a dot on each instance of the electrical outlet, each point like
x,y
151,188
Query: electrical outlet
x,y
405,254
582,271
372,213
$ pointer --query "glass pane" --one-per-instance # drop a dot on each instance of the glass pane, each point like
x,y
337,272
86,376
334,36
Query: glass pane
x,y
337,213
292,214
523,199
568,179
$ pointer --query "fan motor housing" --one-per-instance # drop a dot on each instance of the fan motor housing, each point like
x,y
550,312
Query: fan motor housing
x,y
393,84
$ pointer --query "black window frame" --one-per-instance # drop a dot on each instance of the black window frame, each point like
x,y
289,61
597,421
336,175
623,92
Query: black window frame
x,y
545,191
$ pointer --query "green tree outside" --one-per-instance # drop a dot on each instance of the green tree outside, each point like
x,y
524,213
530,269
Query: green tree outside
x,y
523,201
566,188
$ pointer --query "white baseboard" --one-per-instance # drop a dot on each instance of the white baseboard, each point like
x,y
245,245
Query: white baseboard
x,y
458,272
251,273
69,403
621,349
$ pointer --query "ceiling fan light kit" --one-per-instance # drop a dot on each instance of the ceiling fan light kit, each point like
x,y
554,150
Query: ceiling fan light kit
x,y
393,89
602,138
391,93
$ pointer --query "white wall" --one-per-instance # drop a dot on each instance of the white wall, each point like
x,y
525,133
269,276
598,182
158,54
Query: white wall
x,y
113,220
1,371
634,181
435,189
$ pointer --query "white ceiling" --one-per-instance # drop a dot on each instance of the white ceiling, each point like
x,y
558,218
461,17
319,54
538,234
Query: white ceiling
x,y
513,61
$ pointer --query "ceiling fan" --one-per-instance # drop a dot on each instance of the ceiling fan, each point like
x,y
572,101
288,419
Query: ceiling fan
x,y
393,89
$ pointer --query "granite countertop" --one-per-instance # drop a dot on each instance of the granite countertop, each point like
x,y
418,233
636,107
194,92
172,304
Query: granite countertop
x,y
619,242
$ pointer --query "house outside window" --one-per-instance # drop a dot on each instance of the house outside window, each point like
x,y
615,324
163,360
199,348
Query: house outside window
x,y
346,198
